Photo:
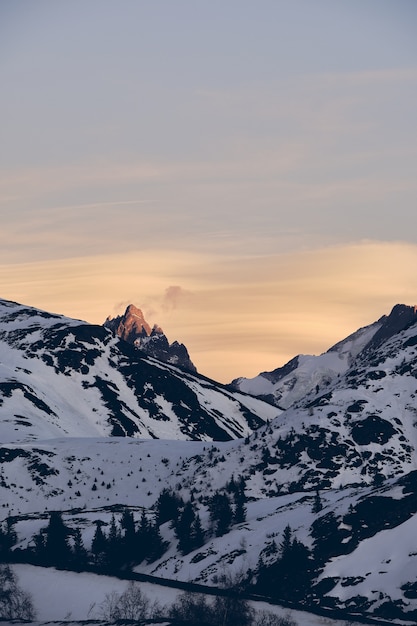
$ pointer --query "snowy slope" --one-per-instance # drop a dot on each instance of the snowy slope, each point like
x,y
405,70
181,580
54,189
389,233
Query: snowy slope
x,y
286,385
60,376
372,550
353,439
290,383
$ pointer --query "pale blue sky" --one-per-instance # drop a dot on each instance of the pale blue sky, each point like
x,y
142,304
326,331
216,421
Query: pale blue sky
x,y
216,130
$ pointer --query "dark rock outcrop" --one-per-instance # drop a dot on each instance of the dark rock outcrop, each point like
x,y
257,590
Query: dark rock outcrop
x,y
133,328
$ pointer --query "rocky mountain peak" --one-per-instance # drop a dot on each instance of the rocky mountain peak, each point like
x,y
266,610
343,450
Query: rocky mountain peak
x,y
403,311
133,328
133,310
401,316
129,326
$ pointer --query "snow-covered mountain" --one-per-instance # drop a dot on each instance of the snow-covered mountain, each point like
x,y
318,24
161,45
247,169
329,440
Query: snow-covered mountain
x,y
63,377
359,430
290,383
133,328
338,467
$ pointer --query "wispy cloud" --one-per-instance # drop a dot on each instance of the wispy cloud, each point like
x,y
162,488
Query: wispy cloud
x,y
44,180
173,295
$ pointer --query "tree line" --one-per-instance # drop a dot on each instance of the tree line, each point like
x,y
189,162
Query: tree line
x,y
126,542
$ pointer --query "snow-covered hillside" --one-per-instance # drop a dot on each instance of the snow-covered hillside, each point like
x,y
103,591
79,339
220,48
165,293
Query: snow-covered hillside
x,y
359,429
362,538
332,480
63,377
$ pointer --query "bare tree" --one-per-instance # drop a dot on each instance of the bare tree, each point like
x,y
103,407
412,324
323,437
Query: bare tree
x,y
265,618
193,608
131,604
14,602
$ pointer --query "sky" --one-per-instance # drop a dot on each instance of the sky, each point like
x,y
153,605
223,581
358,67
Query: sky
x,y
244,172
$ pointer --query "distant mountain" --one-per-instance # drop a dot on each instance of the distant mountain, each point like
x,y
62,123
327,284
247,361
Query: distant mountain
x,y
63,377
133,328
287,385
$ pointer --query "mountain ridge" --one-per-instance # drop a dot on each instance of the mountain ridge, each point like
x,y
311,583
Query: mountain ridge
x,y
287,384
60,377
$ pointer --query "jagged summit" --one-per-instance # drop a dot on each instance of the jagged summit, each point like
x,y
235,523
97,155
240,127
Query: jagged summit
x,y
401,316
130,325
133,328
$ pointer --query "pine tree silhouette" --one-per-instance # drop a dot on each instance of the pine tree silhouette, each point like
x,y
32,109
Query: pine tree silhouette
x,y
220,513
79,553
99,546
57,550
183,528
114,553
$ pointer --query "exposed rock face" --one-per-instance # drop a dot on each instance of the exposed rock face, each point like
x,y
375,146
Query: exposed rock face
x,y
133,328
400,318
130,326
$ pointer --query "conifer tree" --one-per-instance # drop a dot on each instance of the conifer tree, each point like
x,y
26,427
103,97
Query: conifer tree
x,y
221,513
8,539
286,542
289,578
57,549
231,486
79,553
183,528
141,548
99,546
156,546
128,537
113,547
317,503
239,514
128,525
168,506
197,533
38,549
